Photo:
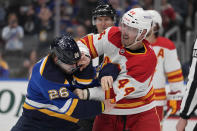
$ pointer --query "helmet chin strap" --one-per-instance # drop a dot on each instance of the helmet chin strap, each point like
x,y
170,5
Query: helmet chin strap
x,y
136,41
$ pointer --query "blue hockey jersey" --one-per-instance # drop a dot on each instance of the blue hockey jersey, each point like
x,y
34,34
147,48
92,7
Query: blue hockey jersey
x,y
50,97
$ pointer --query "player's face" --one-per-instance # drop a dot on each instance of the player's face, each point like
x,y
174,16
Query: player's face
x,y
66,67
103,22
128,35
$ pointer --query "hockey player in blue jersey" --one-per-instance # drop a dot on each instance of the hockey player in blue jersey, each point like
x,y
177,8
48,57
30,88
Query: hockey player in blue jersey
x,y
50,103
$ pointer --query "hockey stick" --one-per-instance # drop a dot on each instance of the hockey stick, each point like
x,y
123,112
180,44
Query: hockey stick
x,y
166,116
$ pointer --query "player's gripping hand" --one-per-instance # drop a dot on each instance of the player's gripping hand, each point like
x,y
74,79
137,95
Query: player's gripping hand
x,y
84,61
108,105
106,82
83,94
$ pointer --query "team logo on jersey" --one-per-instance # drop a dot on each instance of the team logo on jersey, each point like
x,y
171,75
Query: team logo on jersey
x,y
76,55
122,51
195,53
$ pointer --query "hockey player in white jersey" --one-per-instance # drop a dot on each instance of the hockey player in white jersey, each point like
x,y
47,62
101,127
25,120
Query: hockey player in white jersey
x,y
132,91
168,69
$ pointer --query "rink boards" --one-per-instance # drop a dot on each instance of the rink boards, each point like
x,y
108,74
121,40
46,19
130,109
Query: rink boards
x,y
12,96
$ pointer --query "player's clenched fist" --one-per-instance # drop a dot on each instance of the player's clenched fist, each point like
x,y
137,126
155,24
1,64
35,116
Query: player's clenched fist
x,y
82,94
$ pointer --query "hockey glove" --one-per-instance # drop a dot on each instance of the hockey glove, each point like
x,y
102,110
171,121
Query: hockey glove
x,y
174,105
174,101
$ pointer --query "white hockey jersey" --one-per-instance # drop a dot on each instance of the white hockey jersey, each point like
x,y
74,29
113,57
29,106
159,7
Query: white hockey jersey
x,y
132,90
168,69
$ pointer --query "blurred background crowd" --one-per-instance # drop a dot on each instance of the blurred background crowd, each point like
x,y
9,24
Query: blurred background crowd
x,y
28,26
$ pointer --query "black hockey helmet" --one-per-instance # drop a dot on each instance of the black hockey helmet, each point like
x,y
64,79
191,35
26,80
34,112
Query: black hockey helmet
x,y
103,10
66,49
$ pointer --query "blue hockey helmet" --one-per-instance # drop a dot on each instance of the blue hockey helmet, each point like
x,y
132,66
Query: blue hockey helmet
x,y
66,49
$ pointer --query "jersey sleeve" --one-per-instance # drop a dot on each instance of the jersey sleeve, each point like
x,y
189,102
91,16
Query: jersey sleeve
x,y
109,69
96,93
94,44
86,78
173,70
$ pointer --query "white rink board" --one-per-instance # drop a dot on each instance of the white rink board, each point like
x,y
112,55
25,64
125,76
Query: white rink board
x,y
11,94
17,89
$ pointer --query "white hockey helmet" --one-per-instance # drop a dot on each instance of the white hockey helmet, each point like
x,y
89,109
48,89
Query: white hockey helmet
x,y
138,18
156,17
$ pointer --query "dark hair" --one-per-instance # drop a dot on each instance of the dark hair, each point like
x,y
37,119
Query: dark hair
x,y
156,30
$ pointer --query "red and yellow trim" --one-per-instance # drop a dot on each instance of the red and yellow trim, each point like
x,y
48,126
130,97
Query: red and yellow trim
x,y
175,76
65,116
88,41
92,48
149,95
106,61
84,42
107,94
160,94
132,103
